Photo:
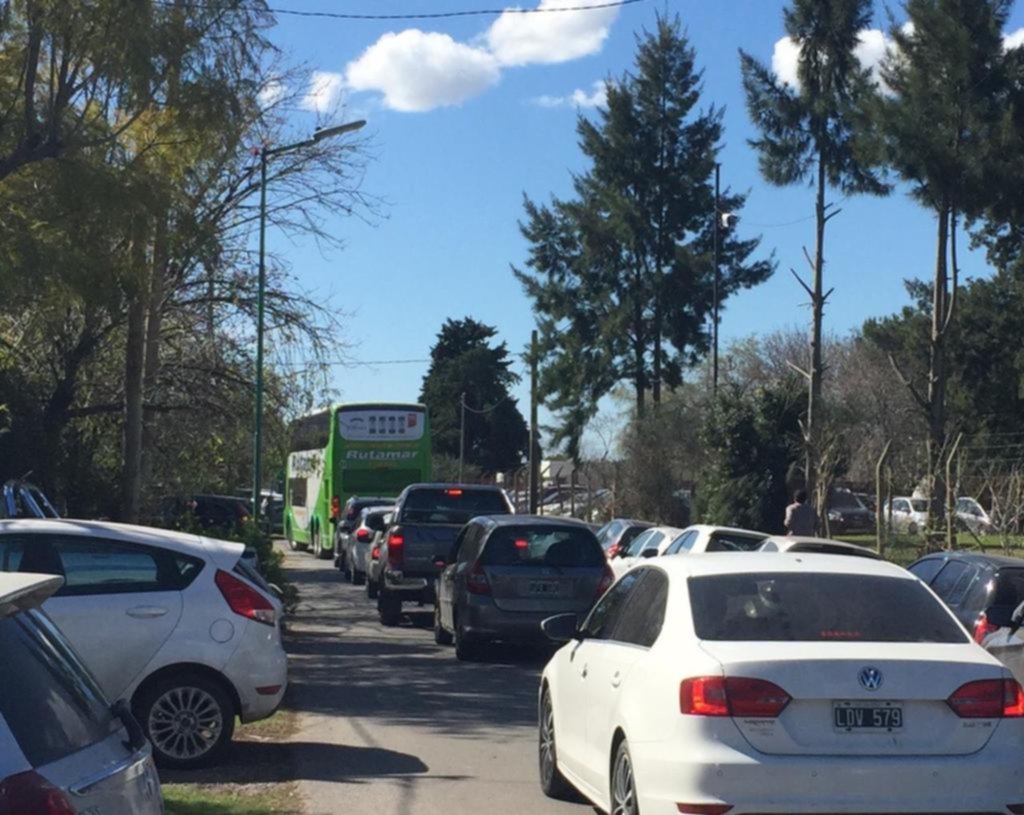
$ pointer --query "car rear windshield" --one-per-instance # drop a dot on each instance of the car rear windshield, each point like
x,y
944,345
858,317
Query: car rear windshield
x,y
452,505
1009,588
557,547
49,701
809,607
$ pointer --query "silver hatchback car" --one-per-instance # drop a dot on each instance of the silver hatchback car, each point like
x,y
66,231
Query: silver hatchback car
x,y
63,749
506,574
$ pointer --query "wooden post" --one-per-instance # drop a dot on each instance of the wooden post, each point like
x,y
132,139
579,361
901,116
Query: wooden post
x,y
951,495
880,523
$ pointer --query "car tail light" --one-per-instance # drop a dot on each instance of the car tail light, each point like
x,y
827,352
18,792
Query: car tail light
x,y
29,792
988,699
605,583
362,535
375,553
244,600
612,551
335,507
396,550
477,582
455,493
983,628
704,809
732,696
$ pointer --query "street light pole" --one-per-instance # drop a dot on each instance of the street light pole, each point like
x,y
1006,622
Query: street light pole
x,y
261,295
715,285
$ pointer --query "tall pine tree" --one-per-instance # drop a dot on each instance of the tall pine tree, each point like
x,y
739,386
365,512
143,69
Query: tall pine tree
x,y
621,276
808,135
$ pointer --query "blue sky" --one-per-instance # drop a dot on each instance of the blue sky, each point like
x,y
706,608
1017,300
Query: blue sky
x,y
465,117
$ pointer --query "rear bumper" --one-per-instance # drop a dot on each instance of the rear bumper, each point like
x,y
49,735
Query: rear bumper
x,y
487,621
753,783
411,586
257,666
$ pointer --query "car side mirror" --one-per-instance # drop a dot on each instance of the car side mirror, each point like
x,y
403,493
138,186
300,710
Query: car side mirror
x,y
649,553
562,628
136,736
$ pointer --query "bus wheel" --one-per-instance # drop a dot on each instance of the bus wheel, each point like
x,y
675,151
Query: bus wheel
x,y
316,542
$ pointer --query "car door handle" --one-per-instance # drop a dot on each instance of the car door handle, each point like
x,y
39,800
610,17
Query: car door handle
x,y
616,680
146,612
583,673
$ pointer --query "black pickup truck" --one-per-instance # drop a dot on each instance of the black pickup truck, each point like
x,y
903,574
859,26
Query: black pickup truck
x,y
426,522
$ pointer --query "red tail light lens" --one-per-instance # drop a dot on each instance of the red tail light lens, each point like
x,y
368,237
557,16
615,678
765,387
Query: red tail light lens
x,y
612,551
362,535
988,699
29,792
375,553
983,628
244,600
335,507
396,550
476,581
454,493
732,696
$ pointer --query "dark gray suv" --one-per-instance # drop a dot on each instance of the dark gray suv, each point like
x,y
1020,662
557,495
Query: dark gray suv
x,y
506,574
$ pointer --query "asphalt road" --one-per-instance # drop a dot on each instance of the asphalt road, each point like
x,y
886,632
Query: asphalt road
x,y
392,723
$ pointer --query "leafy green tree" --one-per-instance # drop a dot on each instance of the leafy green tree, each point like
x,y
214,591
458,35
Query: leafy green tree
x,y
621,275
465,368
808,135
943,126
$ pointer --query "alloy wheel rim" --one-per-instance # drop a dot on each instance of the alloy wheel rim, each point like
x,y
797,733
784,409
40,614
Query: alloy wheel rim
x,y
623,792
547,740
185,723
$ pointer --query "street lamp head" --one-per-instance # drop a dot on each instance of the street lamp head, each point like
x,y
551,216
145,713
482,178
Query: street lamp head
x,y
727,220
328,132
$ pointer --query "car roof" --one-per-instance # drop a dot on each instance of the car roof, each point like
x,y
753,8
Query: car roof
x,y
183,542
729,530
1000,561
714,563
532,520
631,522
22,590
449,485
796,540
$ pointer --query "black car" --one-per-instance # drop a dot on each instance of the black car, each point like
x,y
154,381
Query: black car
x,y
618,533
847,514
983,591
211,513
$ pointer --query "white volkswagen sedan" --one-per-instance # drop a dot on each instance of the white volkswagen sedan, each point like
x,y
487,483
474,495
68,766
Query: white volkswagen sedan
x,y
178,625
777,684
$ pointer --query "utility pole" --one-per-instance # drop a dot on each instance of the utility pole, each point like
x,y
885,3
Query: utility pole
x,y
462,433
534,459
717,282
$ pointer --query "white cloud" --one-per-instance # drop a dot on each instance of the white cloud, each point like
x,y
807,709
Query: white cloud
x,y
1014,40
597,97
785,57
418,70
324,92
546,38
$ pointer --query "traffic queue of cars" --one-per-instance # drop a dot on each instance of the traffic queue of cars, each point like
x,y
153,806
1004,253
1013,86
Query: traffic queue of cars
x,y
712,670
178,631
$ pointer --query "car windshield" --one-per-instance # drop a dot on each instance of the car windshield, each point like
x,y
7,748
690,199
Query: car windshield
x,y
556,547
822,607
919,504
452,505
844,500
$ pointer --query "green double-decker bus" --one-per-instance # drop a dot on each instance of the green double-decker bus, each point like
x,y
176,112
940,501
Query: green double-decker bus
x,y
371,449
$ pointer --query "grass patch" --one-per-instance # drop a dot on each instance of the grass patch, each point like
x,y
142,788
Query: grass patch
x,y
279,727
187,799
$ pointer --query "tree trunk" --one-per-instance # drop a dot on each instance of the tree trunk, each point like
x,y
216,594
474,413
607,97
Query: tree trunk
x,y
135,353
937,373
813,431
154,327
656,384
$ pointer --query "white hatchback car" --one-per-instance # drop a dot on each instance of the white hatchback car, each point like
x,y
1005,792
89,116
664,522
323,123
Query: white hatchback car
x,y
777,684
649,543
800,545
701,538
178,625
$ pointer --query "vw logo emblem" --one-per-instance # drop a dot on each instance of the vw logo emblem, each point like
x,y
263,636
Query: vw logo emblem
x,y
870,678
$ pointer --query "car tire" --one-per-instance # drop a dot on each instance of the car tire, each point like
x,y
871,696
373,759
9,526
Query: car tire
x,y
346,571
467,649
623,783
358,578
389,606
188,701
441,635
371,589
552,782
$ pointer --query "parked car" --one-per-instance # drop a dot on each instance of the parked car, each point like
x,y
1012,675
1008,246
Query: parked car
x,y
908,515
771,683
868,500
618,533
702,538
846,514
64,750
505,575
171,622
20,499
374,565
972,516
426,522
349,517
213,513
647,544
819,546
357,545
983,591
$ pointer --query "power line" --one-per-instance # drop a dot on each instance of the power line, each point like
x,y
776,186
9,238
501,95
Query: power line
x,y
436,15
